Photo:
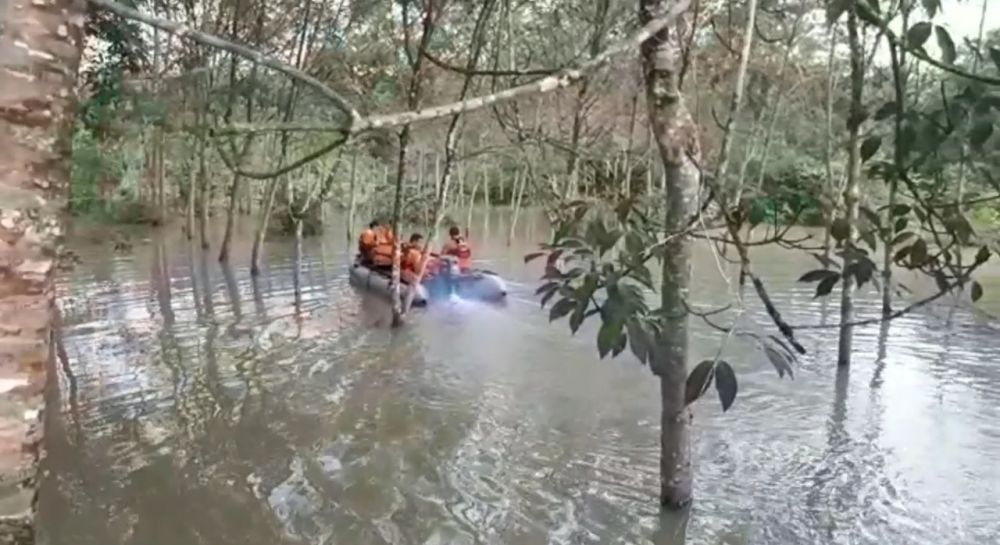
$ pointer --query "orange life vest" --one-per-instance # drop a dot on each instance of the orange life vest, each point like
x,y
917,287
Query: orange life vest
x,y
382,252
366,242
460,249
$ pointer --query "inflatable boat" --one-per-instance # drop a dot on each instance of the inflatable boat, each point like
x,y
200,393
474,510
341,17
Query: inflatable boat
x,y
475,284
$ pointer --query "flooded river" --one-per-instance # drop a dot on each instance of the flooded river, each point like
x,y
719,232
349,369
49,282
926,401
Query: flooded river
x,y
196,405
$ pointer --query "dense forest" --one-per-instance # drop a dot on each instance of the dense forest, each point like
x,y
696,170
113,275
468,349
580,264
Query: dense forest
x,y
641,128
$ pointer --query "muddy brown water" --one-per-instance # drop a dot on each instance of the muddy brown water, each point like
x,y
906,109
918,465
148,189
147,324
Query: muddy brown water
x,y
196,405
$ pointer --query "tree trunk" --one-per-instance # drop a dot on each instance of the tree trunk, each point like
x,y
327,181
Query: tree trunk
x,y
735,108
899,159
397,209
158,187
289,109
851,191
631,141
40,45
203,182
353,198
192,184
261,234
832,198
677,141
234,189
517,204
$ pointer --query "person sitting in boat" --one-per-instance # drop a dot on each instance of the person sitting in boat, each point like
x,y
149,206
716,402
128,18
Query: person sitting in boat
x,y
367,241
413,254
458,248
381,254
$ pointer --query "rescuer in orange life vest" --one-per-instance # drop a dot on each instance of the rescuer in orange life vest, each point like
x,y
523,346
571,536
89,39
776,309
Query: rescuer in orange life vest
x,y
367,241
413,253
381,252
458,248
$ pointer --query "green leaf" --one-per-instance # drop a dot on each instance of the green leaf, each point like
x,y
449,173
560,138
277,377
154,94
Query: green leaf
x,y
633,244
901,209
932,7
918,252
886,111
836,8
981,132
902,254
869,147
579,313
907,139
725,384
639,339
561,308
757,213
976,292
608,337
946,44
941,280
868,236
902,237
698,381
817,275
533,256
918,34
548,296
995,56
982,255
840,229
826,286
781,361
547,287
871,216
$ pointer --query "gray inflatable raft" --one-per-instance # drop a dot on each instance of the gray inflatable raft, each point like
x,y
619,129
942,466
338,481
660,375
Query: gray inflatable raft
x,y
476,285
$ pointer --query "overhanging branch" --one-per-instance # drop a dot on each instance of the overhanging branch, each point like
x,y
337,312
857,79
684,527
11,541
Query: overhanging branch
x,y
184,31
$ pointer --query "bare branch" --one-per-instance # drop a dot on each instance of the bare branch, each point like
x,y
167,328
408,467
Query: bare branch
x,y
559,80
476,72
181,31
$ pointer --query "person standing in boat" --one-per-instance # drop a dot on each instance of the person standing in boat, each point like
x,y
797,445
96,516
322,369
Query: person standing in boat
x,y
457,247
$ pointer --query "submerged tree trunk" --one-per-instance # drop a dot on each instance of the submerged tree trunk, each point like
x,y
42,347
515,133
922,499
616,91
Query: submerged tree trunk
x,y
40,45
677,141
851,191
353,198
397,210
234,188
832,192
899,158
258,239
204,189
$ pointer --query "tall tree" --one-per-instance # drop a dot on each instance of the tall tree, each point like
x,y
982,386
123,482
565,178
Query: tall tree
x,y
40,47
676,139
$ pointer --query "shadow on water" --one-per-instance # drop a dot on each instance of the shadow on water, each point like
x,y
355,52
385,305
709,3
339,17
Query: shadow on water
x,y
185,417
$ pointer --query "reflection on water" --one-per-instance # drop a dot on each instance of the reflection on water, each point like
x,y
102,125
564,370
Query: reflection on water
x,y
201,405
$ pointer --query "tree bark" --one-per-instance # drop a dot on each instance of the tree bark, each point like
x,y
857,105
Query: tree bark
x,y
289,111
735,108
851,191
677,141
204,198
899,85
234,187
40,46
353,198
